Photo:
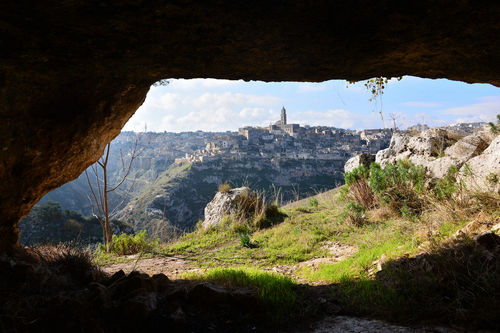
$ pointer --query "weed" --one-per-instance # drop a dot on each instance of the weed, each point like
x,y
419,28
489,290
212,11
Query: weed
x,y
245,241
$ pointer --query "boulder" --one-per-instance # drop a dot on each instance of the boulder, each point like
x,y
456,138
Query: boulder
x,y
466,148
482,173
361,159
223,204
438,168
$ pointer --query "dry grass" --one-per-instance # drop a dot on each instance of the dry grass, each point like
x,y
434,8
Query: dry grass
x,y
362,194
224,188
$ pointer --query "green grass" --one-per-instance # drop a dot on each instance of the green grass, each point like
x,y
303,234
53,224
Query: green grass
x,y
274,290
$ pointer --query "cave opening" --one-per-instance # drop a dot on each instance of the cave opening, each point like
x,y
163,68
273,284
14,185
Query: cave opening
x,y
73,73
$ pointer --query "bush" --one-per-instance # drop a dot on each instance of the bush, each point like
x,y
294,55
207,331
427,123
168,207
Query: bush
x,y
400,185
495,128
125,244
362,193
224,188
355,213
445,187
361,172
252,210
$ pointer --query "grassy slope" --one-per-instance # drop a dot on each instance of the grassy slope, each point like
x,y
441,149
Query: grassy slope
x,y
304,234
442,295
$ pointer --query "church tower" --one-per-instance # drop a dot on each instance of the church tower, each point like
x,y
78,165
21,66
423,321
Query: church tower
x,y
283,116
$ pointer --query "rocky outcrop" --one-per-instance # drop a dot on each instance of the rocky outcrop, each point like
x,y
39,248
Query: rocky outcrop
x,y
419,149
438,149
71,81
223,204
482,172
361,159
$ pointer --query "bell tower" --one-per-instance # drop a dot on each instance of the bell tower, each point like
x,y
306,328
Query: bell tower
x,y
283,116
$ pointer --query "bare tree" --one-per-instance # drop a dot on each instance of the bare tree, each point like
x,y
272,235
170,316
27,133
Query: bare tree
x,y
394,118
101,189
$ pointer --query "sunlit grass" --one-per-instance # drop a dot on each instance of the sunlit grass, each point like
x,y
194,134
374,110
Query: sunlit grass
x,y
274,290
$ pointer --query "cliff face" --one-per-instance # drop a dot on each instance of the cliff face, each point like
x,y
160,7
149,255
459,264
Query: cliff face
x,y
73,72
176,201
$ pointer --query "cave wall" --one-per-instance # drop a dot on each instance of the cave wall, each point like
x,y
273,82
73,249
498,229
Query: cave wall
x,y
73,72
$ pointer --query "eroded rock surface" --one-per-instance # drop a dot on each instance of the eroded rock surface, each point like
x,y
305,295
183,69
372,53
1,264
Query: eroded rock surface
x,y
438,149
223,204
483,172
73,72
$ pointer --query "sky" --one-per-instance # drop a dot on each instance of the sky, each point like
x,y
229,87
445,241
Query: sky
x,y
224,105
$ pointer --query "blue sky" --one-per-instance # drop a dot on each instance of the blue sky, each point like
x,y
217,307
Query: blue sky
x,y
221,105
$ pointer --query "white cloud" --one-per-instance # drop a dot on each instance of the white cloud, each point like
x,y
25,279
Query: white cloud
x,y
230,100
336,118
421,104
219,119
486,110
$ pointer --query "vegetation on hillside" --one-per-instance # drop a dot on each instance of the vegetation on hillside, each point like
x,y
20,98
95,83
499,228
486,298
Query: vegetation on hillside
x,y
404,263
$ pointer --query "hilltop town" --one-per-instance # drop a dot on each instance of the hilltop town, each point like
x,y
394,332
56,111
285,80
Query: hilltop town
x,y
291,141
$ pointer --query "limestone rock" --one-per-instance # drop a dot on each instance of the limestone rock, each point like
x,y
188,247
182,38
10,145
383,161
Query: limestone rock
x,y
482,172
361,159
224,203
438,168
436,149
466,148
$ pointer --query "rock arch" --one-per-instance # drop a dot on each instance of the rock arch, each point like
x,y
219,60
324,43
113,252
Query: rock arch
x,y
73,72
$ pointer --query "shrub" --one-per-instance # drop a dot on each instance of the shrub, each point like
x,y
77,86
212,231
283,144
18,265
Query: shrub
x,y
252,209
495,128
125,244
362,193
224,188
72,228
445,187
356,174
355,213
399,185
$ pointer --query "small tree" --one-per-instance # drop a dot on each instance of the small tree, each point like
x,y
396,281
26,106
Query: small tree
x,y
101,189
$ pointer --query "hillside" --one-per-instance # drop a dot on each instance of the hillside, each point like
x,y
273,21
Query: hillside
x,y
157,152
175,202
